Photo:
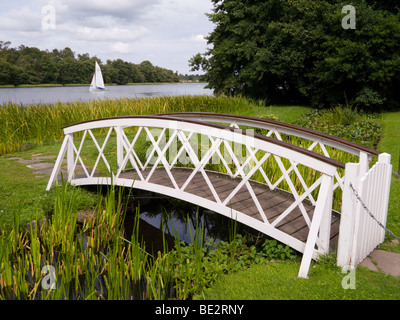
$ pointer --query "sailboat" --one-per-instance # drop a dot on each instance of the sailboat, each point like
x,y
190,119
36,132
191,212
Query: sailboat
x,y
97,83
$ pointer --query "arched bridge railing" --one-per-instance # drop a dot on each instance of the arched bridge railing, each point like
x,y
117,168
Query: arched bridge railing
x,y
273,186
227,170
358,235
312,140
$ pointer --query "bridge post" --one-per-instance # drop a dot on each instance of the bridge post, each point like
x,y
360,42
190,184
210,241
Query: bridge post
x,y
323,207
347,217
70,157
325,227
57,166
120,146
364,163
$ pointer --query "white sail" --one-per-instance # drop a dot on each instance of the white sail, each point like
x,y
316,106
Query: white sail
x,y
97,80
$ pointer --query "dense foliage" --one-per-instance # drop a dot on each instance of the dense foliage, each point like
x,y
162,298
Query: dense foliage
x,y
30,65
286,51
346,123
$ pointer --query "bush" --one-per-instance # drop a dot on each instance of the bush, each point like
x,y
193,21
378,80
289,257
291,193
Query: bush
x,y
368,99
345,123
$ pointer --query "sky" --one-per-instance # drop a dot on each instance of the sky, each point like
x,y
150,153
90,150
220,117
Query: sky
x,y
165,32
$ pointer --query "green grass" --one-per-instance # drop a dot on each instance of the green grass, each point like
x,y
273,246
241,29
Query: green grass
x,y
278,281
16,183
390,143
24,194
284,113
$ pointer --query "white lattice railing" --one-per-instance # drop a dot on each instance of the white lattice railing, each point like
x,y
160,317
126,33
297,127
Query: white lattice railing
x,y
359,234
318,142
169,140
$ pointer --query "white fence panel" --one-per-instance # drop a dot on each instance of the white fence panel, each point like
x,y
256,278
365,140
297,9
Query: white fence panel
x,y
373,189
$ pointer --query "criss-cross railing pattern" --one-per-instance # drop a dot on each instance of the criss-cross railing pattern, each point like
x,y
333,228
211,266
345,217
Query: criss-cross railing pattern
x,y
276,187
316,141
203,163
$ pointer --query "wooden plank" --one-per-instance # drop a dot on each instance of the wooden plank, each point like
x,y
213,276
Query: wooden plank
x,y
196,182
181,175
292,222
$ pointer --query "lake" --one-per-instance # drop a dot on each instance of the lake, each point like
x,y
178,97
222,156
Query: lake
x,y
48,95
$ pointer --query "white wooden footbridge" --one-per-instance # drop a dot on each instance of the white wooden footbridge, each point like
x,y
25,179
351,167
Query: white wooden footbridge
x,y
242,168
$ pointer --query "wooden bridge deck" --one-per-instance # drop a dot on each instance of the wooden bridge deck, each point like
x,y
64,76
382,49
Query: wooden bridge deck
x,y
273,202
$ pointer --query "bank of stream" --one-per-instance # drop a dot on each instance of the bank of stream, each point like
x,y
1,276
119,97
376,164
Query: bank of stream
x,y
132,246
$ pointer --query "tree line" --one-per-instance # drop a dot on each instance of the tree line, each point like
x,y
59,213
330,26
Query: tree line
x,y
286,51
30,65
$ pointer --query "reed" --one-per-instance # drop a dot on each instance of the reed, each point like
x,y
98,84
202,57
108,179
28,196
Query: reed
x,y
43,123
96,261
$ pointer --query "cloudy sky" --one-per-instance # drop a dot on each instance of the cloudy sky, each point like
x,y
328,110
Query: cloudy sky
x,y
166,32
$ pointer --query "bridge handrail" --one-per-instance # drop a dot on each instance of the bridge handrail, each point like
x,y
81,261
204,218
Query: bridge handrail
x,y
99,123
319,193
319,223
286,128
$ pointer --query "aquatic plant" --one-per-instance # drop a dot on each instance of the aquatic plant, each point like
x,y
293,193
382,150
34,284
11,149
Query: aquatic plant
x,y
38,124
59,259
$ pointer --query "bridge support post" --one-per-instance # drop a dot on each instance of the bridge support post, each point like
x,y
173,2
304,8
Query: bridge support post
x,y
364,163
57,166
324,235
70,157
322,208
120,146
347,217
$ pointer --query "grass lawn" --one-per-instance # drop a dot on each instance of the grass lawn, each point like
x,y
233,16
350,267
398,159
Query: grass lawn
x,y
24,194
278,281
390,143
286,114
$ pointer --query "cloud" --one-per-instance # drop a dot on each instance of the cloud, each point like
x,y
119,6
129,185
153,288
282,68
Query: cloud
x,y
127,10
22,19
105,34
121,47
168,32
198,38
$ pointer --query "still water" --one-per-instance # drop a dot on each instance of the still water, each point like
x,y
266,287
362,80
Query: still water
x,y
160,214
48,95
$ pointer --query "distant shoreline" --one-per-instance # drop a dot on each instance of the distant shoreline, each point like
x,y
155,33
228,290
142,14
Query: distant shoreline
x,y
87,84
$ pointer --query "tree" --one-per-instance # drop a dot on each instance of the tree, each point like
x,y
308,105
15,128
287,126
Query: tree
x,y
9,74
31,65
285,51
147,69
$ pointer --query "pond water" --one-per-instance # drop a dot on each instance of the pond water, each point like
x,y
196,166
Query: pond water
x,y
48,95
174,217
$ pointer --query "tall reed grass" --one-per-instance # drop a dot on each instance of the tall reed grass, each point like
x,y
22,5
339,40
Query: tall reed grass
x,y
42,123
59,259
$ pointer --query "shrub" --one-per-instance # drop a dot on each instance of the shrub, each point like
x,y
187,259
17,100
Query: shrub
x,y
346,123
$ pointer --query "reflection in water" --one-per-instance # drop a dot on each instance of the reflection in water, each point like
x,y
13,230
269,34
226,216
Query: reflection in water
x,y
177,218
